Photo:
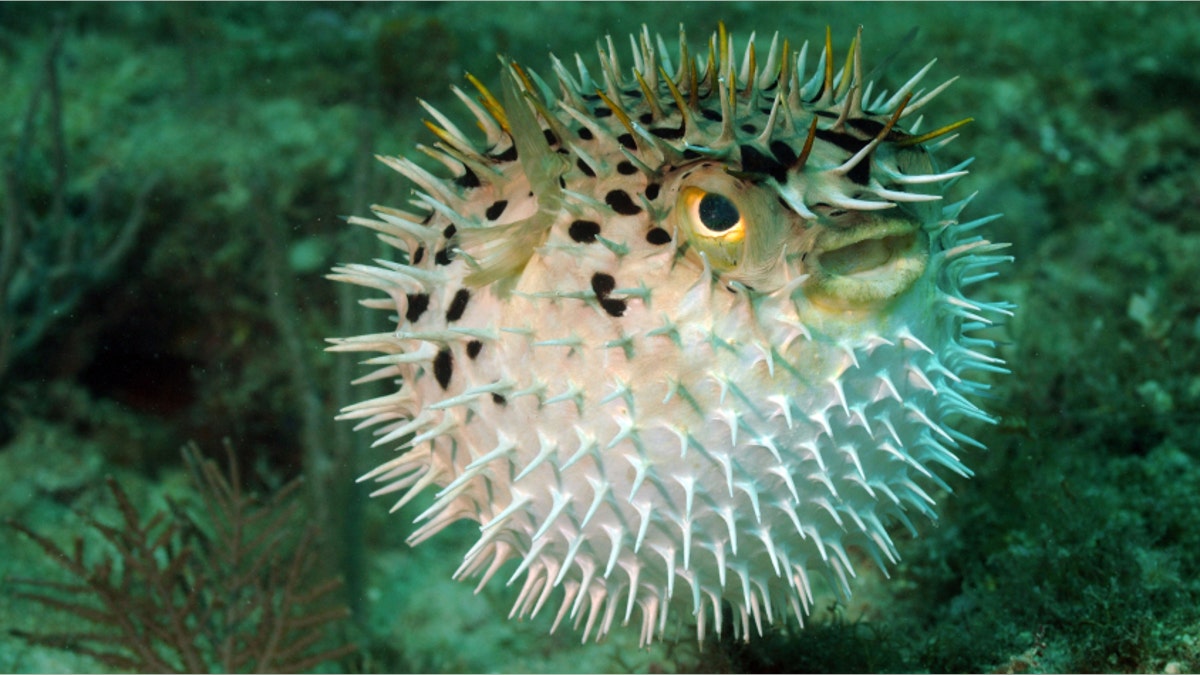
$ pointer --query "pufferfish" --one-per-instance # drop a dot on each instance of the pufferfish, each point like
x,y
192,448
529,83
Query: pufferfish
x,y
686,337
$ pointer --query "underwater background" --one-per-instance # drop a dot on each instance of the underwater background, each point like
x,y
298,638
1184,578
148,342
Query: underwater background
x,y
175,177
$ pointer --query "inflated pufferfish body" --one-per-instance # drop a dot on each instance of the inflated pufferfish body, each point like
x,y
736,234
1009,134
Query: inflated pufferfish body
x,y
680,334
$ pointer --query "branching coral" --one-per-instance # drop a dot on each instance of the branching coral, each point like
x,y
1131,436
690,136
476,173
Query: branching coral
x,y
231,590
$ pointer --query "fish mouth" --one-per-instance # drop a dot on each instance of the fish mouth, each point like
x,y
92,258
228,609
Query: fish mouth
x,y
869,264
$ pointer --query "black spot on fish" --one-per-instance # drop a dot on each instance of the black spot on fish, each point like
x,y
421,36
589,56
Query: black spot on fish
x,y
417,304
468,179
458,305
658,236
867,126
621,203
668,133
443,367
603,284
749,128
613,306
473,348
689,153
601,112
418,255
551,139
646,118
509,155
584,231
861,172
652,191
846,142
587,170
627,141
444,256
754,161
783,153
496,210
626,168
499,400
585,133
449,231
712,115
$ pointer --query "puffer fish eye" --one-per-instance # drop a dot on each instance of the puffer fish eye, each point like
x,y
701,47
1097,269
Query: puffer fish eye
x,y
714,224
717,213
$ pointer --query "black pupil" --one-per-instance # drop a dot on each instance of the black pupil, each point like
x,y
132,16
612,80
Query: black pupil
x,y
718,213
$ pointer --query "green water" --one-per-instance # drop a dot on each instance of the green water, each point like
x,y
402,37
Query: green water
x,y
174,194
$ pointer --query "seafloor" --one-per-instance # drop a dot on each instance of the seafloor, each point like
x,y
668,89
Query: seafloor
x,y
176,173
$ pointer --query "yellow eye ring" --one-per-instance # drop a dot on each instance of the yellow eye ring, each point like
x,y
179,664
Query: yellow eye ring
x,y
715,225
714,216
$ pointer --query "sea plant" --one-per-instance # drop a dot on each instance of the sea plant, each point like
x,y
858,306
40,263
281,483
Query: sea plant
x,y
231,586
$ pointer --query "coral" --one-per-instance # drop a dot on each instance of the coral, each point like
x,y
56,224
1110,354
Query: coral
x,y
230,590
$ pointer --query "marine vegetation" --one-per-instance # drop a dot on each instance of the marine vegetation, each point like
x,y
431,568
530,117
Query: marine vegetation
x,y
223,585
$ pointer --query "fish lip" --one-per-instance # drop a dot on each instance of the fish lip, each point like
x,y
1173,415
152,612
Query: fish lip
x,y
867,265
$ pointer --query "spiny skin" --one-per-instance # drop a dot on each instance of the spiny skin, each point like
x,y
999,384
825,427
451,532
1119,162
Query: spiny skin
x,y
677,335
